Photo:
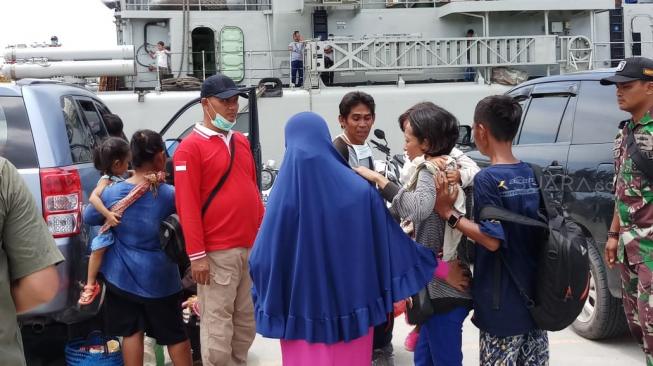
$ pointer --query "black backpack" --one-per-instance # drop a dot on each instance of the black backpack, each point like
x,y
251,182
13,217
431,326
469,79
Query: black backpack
x,y
562,283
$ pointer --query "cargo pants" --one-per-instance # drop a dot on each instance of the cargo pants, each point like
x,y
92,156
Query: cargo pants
x,y
638,304
227,328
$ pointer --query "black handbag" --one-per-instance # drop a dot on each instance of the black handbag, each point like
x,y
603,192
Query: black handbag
x,y
172,240
419,308
171,235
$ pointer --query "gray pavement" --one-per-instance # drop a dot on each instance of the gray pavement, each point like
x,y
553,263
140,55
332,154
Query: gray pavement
x,y
567,349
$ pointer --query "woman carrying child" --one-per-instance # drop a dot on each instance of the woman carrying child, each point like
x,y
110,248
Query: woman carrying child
x,y
143,293
430,131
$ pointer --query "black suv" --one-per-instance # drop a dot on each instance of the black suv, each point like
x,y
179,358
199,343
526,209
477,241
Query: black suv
x,y
568,128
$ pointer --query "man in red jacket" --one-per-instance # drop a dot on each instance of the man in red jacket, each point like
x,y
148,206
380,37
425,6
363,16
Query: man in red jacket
x,y
220,234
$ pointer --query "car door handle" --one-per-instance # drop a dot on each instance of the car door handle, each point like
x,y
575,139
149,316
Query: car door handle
x,y
555,169
556,173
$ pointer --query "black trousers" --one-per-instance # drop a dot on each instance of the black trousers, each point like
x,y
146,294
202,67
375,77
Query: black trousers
x,y
383,334
327,77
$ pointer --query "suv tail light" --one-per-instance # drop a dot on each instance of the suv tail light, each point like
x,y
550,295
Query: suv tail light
x,y
61,189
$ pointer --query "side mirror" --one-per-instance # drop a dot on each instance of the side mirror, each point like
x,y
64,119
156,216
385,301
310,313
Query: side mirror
x,y
171,146
268,177
464,135
379,134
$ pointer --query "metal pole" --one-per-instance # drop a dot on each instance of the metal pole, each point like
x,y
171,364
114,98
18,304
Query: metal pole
x,y
546,32
203,66
592,35
158,80
488,74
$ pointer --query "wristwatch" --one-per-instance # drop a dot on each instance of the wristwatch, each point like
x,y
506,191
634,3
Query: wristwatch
x,y
454,219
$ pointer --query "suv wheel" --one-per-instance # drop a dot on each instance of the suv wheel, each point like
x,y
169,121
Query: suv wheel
x,y
603,315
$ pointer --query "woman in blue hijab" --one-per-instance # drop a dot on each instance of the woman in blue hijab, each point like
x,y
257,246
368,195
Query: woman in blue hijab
x,y
329,261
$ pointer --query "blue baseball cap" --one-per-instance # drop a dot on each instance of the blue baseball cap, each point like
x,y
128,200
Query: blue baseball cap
x,y
220,86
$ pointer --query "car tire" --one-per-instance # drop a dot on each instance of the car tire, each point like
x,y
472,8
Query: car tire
x,y
603,315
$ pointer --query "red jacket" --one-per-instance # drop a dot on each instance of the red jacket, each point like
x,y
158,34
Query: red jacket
x,y
235,213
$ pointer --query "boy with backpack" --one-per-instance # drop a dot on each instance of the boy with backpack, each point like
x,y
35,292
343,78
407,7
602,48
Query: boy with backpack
x,y
509,334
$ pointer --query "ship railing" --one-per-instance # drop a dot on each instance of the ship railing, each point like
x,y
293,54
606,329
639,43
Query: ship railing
x,y
257,64
373,4
197,5
604,58
575,53
408,53
414,55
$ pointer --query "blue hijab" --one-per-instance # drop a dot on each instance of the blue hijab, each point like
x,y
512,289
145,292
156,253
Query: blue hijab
x,y
329,260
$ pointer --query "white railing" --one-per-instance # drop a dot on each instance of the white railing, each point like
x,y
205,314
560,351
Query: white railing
x,y
575,53
374,4
600,48
198,5
390,53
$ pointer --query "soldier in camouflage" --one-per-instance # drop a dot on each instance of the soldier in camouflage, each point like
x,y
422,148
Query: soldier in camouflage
x,y
630,239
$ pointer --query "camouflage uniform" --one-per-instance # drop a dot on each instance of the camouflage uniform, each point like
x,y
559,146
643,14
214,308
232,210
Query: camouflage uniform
x,y
634,198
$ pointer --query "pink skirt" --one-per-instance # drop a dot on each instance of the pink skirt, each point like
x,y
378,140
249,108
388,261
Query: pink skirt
x,y
357,352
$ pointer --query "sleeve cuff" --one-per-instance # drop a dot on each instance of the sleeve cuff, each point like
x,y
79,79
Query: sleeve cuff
x,y
442,270
196,256
390,191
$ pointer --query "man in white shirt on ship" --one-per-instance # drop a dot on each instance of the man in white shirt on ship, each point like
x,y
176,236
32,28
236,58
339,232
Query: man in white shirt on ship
x,y
296,48
161,55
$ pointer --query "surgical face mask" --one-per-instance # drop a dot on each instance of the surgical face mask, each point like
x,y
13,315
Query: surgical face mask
x,y
362,151
220,122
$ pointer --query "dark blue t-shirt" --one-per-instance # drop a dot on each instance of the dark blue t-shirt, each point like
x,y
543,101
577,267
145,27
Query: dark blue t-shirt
x,y
513,187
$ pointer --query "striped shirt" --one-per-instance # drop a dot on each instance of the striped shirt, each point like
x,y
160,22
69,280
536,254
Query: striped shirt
x,y
417,206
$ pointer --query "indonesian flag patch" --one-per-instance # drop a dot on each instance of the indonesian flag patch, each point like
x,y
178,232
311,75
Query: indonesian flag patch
x,y
180,166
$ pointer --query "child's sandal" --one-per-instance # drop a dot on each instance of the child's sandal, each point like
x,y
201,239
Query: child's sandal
x,y
89,293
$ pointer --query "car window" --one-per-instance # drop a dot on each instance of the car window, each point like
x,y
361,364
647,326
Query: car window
x,y
93,119
542,120
16,140
102,109
564,132
522,95
80,137
597,114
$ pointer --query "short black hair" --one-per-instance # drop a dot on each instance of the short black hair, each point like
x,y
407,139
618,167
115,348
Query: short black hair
x,y
295,32
501,114
161,43
145,144
434,124
352,99
403,117
114,125
110,150
470,31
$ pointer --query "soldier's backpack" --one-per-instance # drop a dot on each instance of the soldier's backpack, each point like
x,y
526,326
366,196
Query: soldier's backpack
x,y
562,283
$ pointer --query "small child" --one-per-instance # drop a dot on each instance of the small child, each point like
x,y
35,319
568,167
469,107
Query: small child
x,y
112,159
